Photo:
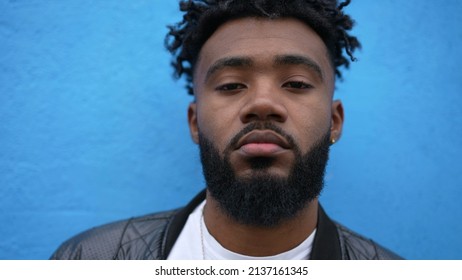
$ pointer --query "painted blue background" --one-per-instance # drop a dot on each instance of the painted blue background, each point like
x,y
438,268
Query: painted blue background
x,y
93,127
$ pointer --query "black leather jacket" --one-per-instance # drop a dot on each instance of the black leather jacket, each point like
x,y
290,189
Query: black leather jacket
x,y
151,237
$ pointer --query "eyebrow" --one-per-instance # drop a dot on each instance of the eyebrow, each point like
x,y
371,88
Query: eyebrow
x,y
293,59
228,62
280,60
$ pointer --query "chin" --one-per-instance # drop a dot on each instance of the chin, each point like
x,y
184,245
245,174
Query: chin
x,y
262,166
252,174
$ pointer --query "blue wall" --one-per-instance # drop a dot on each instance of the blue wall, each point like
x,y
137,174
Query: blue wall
x,y
93,128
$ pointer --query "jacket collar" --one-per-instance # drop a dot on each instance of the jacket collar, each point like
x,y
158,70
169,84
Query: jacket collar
x,y
326,245
177,223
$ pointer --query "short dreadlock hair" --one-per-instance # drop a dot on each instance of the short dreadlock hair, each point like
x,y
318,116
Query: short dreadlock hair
x,y
203,17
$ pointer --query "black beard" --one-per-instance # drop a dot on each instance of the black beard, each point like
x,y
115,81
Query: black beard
x,y
264,200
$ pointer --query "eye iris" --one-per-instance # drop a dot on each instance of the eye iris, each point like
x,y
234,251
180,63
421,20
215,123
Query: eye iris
x,y
298,84
231,87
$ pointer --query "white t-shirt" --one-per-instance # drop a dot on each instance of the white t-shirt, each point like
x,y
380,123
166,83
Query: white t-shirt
x,y
191,246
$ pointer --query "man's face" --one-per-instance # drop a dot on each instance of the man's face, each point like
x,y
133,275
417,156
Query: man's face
x,y
263,93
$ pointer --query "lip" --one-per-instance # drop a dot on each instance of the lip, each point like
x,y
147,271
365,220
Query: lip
x,y
262,143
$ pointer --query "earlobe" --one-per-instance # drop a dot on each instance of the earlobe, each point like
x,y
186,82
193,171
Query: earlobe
x,y
337,121
192,121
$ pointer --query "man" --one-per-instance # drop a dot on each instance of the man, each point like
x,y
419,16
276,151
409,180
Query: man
x,y
263,76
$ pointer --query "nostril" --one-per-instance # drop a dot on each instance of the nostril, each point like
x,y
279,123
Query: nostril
x,y
251,117
263,107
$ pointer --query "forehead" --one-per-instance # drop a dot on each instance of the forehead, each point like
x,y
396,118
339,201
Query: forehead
x,y
262,40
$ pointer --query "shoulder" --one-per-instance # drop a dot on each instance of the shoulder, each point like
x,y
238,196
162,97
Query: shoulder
x,y
118,239
357,247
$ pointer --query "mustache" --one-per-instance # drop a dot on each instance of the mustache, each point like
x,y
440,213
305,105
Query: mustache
x,y
260,126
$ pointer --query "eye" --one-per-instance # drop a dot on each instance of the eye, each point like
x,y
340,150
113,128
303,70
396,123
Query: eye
x,y
230,87
297,85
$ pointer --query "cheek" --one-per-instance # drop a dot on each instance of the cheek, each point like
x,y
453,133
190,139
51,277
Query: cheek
x,y
311,127
212,123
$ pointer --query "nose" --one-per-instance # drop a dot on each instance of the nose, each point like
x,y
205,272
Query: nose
x,y
264,103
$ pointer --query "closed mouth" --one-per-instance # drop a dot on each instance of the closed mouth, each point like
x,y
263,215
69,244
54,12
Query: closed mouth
x,y
263,137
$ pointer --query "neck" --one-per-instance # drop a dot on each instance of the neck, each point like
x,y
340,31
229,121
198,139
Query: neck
x,y
258,241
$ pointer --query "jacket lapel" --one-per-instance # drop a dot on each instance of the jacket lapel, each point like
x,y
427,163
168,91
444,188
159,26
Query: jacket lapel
x,y
326,245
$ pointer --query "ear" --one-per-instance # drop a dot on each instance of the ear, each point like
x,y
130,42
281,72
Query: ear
x,y
192,121
337,121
